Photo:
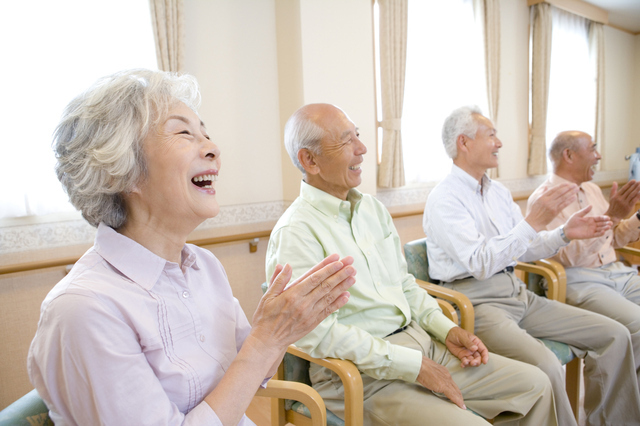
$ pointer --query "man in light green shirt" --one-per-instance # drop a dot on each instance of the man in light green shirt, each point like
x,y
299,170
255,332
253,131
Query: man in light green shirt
x,y
391,329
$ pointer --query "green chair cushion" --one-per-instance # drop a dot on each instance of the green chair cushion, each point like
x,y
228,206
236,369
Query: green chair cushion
x,y
417,262
561,350
332,419
29,410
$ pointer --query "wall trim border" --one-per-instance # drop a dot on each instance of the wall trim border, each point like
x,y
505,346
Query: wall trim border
x,y
52,235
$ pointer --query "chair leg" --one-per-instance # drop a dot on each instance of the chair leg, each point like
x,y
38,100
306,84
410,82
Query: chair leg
x,y
278,416
278,412
573,377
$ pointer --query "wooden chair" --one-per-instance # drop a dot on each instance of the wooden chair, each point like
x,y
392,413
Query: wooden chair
x,y
31,410
418,265
295,367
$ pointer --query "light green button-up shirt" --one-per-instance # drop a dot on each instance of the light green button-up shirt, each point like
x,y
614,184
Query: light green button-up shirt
x,y
385,296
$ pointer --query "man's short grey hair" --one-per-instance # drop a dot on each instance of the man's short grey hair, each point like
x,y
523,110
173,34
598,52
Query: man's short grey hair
x,y
562,141
98,143
302,132
459,122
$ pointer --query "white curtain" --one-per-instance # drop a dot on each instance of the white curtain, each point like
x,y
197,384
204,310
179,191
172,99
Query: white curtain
x,y
488,13
167,20
435,84
572,87
540,68
393,54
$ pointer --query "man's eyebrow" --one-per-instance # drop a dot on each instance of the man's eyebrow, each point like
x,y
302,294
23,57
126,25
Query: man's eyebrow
x,y
347,133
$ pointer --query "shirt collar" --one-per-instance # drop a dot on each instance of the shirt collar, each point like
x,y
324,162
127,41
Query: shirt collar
x,y
134,260
556,180
469,181
324,202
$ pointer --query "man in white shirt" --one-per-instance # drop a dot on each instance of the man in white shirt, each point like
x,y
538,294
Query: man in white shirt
x,y
475,235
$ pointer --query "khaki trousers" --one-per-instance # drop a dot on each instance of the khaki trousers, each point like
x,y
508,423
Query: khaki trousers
x,y
613,291
507,390
511,319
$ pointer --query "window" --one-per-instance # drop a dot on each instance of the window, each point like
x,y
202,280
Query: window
x,y
52,51
444,70
572,84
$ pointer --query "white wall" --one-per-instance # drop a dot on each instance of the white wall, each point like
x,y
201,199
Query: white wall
x,y
513,112
338,66
635,116
231,49
620,82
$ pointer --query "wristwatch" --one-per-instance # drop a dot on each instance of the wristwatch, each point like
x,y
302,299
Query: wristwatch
x,y
564,236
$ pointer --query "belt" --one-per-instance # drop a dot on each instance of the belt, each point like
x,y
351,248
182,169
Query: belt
x,y
504,271
400,330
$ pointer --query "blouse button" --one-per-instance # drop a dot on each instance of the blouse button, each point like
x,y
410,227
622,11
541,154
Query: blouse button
x,y
202,337
185,294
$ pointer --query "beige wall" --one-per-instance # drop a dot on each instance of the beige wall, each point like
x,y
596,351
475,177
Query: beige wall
x,y
621,78
636,92
244,64
231,49
513,113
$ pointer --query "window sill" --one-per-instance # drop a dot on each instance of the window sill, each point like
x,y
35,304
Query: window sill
x,y
410,200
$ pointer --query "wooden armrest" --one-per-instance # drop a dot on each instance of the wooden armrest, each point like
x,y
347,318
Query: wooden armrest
x,y
553,291
299,392
629,250
448,310
351,382
559,272
467,316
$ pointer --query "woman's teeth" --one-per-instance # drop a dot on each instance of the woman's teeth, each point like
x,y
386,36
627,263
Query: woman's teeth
x,y
205,181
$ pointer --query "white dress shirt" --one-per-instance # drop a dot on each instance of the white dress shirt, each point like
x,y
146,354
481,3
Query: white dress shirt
x,y
129,338
477,230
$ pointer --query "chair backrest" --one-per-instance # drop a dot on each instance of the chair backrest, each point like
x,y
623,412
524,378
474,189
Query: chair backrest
x,y
417,262
28,410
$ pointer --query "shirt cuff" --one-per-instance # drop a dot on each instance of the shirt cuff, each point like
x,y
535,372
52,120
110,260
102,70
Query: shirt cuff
x,y
555,237
202,414
633,220
440,326
264,382
407,363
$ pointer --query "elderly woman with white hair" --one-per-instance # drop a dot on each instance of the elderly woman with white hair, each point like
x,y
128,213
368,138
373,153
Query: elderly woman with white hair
x,y
144,329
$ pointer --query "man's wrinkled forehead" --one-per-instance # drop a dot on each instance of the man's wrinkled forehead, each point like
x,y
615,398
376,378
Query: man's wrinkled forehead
x,y
336,124
482,120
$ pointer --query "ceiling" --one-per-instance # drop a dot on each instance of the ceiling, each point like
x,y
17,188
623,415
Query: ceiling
x,y
622,13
